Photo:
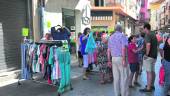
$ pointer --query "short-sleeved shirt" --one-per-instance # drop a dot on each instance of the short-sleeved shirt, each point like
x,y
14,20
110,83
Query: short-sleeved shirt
x,y
83,44
132,57
151,38
116,42
140,43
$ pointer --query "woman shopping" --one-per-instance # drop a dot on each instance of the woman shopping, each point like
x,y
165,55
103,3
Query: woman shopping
x,y
166,65
105,69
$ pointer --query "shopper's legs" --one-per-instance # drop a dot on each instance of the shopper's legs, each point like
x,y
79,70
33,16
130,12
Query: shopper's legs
x,y
149,80
132,69
149,67
131,79
167,76
137,74
124,80
85,66
116,75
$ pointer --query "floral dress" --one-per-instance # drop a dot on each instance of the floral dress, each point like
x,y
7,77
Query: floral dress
x,y
102,57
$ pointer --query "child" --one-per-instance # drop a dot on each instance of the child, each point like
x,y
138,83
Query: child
x,y
133,60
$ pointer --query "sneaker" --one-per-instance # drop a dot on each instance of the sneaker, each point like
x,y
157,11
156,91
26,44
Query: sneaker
x,y
153,87
145,90
85,78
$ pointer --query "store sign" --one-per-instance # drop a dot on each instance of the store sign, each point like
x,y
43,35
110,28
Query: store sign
x,y
86,15
86,20
25,32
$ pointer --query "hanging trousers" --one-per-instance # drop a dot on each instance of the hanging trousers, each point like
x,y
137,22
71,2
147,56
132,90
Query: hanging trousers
x,y
64,63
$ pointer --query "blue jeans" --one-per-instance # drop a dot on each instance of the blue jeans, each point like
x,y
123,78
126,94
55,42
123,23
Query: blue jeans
x,y
166,65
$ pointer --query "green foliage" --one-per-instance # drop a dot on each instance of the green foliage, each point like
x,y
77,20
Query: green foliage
x,y
110,30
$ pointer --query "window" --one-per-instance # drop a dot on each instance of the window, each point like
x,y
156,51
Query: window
x,y
101,13
143,3
99,2
96,2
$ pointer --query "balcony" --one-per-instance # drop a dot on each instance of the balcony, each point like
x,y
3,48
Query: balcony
x,y
101,18
158,1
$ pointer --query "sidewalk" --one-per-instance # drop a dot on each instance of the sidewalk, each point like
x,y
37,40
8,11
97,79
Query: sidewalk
x,y
91,87
7,78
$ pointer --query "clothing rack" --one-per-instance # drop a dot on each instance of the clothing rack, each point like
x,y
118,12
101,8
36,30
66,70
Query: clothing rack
x,y
65,82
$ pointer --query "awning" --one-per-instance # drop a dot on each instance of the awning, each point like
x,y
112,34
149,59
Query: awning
x,y
116,9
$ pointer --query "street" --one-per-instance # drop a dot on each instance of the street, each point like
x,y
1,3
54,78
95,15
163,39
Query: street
x,y
81,87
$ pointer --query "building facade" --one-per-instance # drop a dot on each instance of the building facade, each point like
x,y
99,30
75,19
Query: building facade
x,y
160,15
38,16
144,15
74,14
106,13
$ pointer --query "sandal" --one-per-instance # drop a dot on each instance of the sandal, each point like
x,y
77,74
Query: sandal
x,y
145,90
153,87
85,78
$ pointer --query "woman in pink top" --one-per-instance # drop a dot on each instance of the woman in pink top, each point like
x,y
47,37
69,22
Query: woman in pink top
x,y
133,60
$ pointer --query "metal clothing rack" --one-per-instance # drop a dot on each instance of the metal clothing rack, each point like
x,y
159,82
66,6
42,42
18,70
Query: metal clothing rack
x,y
57,43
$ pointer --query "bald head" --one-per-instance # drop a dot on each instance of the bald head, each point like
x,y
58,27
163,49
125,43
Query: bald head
x,y
118,28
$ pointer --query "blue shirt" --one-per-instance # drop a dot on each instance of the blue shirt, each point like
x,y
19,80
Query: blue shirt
x,y
83,44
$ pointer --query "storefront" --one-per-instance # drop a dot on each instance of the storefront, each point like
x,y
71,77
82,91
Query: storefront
x,y
14,15
73,14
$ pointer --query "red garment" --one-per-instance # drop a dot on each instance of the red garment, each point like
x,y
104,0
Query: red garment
x,y
159,38
42,59
132,57
161,75
49,80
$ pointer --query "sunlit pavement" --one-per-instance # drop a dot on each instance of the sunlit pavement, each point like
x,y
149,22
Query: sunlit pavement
x,y
92,87
81,87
